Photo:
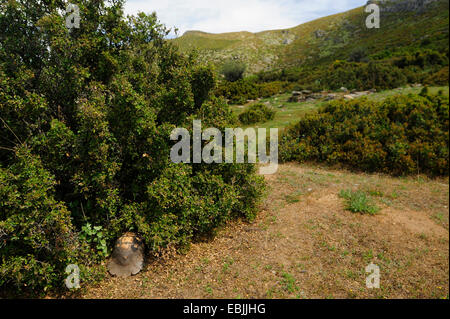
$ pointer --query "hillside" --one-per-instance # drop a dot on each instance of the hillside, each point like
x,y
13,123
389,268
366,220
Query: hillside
x,y
404,25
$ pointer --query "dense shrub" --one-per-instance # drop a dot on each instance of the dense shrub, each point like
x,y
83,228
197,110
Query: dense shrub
x,y
85,123
384,70
362,76
37,237
257,113
438,78
359,73
238,92
422,59
358,55
241,91
233,70
272,88
401,135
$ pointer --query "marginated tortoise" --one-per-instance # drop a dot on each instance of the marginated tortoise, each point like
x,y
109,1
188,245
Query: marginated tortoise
x,y
128,256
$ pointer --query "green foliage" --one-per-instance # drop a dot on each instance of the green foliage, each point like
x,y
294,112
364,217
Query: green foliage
x,y
422,59
241,91
360,72
257,113
358,55
358,202
438,78
238,92
202,83
37,235
289,283
94,235
233,70
272,88
85,124
362,76
404,134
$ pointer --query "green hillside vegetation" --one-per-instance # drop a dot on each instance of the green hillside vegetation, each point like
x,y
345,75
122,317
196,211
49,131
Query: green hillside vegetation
x,y
333,52
325,40
257,113
289,113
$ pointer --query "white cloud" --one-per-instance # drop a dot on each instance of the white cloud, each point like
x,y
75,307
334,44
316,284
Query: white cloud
x,y
217,16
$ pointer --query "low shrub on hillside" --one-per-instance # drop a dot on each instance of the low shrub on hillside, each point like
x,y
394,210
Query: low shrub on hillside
x,y
272,88
241,91
233,70
384,70
422,59
257,113
404,134
362,76
438,78
238,92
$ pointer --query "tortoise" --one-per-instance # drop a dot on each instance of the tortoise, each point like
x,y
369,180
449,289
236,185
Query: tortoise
x,y
128,256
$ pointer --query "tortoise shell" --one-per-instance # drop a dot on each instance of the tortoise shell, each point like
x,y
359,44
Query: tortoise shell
x,y
128,256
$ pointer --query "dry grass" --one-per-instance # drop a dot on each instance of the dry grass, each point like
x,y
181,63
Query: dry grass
x,y
304,244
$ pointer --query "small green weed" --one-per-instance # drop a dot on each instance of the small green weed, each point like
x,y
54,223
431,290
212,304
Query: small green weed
x,y
358,202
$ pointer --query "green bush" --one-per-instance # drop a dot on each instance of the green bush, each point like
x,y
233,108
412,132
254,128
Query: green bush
x,y
233,70
358,55
358,202
241,91
85,124
272,88
257,113
383,70
238,92
36,232
362,76
438,78
422,59
405,134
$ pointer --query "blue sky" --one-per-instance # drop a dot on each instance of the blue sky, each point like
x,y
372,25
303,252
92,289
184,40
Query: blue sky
x,y
217,16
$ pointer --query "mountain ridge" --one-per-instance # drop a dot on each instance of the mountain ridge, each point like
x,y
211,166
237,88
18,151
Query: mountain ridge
x,y
325,39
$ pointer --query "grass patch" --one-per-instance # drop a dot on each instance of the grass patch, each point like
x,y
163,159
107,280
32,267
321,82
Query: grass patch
x,y
358,202
294,197
289,283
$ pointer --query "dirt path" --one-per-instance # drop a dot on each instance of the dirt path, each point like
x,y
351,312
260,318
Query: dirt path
x,y
304,244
